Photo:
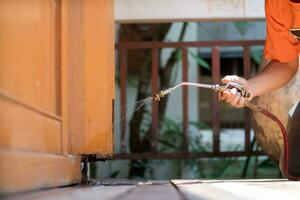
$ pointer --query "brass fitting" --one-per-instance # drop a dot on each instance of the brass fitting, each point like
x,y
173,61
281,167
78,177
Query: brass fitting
x,y
157,96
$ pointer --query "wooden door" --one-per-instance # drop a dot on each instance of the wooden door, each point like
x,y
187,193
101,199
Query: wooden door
x,y
56,89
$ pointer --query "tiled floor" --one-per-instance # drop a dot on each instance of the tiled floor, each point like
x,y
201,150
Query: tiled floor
x,y
174,189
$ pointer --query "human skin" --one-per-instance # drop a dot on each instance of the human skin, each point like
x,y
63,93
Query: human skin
x,y
273,76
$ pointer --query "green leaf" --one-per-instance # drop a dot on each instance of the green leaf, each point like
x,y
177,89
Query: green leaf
x,y
178,55
257,56
170,145
199,125
266,163
200,61
114,174
241,27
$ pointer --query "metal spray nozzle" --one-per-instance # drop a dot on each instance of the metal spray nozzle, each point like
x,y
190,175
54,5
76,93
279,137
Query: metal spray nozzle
x,y
157,96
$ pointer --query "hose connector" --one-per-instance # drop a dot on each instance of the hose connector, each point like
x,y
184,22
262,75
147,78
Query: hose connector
x,y
252,106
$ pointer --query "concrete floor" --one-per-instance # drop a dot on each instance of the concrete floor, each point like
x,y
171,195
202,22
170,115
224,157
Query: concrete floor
x,y
258,189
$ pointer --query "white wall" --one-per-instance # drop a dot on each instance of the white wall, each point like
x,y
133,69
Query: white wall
x,y
129,11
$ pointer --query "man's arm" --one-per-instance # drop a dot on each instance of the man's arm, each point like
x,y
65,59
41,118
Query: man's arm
x,y
281,47
273,76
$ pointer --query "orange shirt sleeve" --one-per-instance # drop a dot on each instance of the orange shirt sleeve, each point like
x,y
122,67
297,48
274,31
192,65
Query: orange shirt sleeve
x,y
280,44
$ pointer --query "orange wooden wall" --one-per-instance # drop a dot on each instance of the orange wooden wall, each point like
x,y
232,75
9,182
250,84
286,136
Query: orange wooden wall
x,y
56,89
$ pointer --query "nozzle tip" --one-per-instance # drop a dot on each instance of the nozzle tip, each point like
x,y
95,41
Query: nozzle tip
x,y
156,96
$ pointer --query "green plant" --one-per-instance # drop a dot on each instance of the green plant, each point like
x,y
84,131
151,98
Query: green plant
x,y
171,140
257,56
196,57
242,27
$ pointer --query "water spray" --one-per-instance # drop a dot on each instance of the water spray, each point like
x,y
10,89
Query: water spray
x,y
244,93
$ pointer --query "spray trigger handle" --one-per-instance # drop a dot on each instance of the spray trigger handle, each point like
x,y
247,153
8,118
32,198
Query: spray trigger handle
x,y
240,88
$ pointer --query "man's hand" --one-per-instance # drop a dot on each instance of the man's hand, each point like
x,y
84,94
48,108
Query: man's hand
x,y
233,97
273,76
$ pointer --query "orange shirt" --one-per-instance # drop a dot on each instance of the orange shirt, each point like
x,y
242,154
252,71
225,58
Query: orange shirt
x,y
281,17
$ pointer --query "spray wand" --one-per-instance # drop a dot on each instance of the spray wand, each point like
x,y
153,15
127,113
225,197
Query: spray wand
x,y
215,88
244,93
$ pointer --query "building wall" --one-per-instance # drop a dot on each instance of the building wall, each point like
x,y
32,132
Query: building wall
x,y
132,11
